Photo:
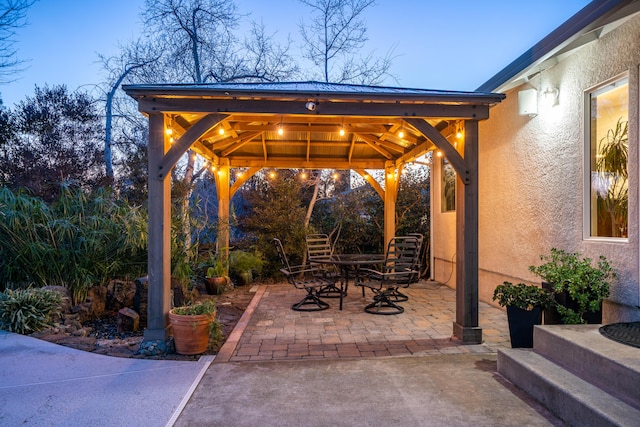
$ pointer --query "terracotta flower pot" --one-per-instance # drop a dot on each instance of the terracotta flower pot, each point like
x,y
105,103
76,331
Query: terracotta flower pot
x,y
191,333
215,285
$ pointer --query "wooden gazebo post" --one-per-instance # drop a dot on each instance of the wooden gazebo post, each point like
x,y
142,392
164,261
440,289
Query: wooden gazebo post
x,y
390,194
466,325
159,261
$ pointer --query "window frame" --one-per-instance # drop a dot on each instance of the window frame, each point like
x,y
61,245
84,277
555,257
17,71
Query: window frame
x,y
616,81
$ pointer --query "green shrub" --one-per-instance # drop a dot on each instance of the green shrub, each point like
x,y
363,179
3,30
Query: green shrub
x,y
28,310
522,296
78,241
241,261
585,283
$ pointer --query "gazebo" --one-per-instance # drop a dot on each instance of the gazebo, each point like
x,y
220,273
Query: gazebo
x,y
310,125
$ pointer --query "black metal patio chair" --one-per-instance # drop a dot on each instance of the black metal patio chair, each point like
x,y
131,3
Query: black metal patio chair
x,y
319,247
399,271
303,277
396,295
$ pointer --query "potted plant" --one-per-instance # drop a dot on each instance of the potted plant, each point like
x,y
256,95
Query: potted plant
x,y
524,304
242,266
192,325
578,286
216,276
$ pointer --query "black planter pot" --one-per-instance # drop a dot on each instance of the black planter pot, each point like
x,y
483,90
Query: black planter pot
x,y
552,317
521,324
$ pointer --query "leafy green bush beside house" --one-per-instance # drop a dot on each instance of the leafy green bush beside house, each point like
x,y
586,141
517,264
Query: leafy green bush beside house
x,y
583,282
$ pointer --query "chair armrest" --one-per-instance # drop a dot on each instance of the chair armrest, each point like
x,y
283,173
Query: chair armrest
x,y
297,269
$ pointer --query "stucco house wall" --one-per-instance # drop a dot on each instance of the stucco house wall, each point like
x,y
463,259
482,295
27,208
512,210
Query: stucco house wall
x,y
444,232
532,183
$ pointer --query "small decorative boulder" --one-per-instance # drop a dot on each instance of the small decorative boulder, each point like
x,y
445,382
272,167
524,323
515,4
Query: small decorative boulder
x,y
128,320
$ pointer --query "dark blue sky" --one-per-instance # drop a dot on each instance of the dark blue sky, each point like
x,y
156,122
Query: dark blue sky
x,y
455,44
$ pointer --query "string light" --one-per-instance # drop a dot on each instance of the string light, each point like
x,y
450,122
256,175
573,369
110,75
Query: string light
x,y
342,128
280,130
272,175
239,174
335,176
169,131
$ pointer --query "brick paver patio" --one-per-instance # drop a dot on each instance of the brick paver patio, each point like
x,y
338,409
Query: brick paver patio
x,y
270,330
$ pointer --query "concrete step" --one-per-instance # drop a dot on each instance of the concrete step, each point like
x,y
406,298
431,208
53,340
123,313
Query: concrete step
x,y
583,351
572,399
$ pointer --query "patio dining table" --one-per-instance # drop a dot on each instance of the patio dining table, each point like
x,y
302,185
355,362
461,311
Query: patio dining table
x,y
347,263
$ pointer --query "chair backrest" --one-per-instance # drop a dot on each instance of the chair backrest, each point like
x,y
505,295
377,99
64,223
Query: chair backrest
x,y
282,255
318,246
402,257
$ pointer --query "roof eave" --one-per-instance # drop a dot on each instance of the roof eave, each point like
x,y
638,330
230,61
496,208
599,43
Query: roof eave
x,y
138,91
593,16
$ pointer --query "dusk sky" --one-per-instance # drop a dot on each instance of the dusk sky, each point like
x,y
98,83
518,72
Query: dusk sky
x,y
455,44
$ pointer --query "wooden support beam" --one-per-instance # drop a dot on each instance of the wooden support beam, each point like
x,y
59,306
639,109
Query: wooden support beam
x,y
224,198
441,142
241,180
351,147
390,193
239,143
184,143
159,257
372,182
317,163
466,325
435,110
375,144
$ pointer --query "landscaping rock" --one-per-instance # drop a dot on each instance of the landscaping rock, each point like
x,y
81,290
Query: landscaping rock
x,y
120,294
128,320
140,299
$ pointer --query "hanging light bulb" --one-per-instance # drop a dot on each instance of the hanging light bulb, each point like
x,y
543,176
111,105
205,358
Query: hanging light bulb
x,y
272,175
280,129
221,130
341,131
169,131
401,134
303,175
439,153
335,176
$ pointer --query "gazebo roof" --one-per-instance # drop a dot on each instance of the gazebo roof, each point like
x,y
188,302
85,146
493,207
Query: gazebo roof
x,y
245,119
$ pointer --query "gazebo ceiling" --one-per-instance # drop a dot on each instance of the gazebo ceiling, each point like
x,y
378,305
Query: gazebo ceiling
x,y
309,125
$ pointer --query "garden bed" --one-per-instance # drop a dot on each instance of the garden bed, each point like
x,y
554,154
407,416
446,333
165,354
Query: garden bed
x,y
102,337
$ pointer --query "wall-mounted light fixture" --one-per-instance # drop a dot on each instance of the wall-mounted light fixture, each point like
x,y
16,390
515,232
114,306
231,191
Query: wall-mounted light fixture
x,y
550,96
528,102
311,106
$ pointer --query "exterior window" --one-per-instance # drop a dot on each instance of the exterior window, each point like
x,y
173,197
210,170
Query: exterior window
x,y
608,147
448,196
